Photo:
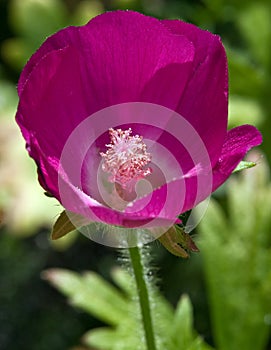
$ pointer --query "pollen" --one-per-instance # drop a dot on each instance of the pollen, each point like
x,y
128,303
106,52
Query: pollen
x,y
126,158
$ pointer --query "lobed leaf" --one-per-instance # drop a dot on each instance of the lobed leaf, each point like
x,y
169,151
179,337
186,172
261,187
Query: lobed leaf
x,y
90,293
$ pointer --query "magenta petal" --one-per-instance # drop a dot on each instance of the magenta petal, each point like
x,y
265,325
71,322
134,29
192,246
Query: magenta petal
x,y
238,142
52,101
166,87
119,66
205,99
47,169
116,67
56,42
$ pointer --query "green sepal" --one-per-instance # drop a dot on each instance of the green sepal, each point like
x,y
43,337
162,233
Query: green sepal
x,y
66,223
178,242
243,165
48,194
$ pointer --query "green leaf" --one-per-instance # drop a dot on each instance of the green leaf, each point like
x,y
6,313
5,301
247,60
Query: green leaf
x,y
119,308
90,293
123,280
121,338
101,338
183,336
183,323
244,165
93,294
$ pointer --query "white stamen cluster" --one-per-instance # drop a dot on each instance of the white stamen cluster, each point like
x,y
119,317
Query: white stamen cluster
x,y
126,157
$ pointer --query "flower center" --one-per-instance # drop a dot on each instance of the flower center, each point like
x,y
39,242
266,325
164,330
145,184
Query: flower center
x,y
126,158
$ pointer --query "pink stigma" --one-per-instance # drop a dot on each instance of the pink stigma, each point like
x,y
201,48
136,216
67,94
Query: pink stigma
x,y
126,158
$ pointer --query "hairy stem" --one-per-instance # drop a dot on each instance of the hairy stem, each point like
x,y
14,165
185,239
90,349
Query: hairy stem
x,y
143,295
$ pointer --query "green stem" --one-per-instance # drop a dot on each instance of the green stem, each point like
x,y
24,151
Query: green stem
x,y
143,294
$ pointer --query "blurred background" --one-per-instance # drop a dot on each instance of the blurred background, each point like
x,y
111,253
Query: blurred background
x,y
229,283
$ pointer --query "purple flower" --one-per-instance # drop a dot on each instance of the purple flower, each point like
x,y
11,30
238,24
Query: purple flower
x,y
147,68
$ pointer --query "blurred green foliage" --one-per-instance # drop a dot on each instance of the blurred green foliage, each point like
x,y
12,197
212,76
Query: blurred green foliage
x,y
235,234
119,308
237,261
34,20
